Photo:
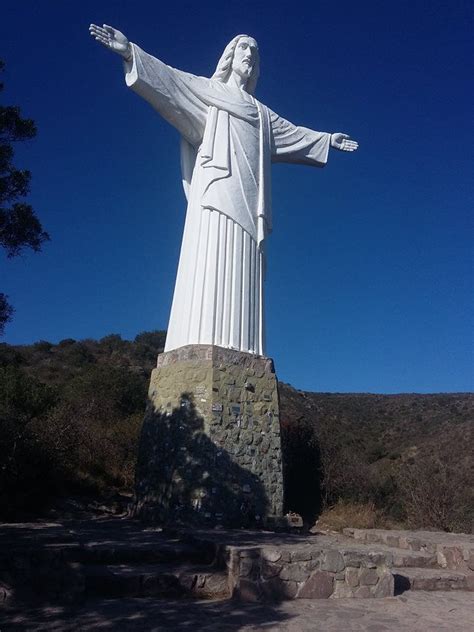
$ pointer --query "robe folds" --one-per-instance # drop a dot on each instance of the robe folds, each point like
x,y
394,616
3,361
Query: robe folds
x,y
228,142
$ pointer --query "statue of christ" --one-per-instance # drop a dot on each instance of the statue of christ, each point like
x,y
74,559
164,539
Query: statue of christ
x,y
228,142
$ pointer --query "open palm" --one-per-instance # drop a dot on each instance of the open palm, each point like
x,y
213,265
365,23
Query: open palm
x,y
111,38
343,142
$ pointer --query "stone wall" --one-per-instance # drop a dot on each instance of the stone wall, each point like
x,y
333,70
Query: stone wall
x,y
308,573
210,450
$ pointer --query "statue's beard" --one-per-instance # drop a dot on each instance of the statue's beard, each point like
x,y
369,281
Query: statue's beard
x,y
248,67
245,71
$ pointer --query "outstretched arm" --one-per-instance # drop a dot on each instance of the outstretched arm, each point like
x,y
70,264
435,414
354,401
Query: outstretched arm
x,y
296,144
176,95
112,39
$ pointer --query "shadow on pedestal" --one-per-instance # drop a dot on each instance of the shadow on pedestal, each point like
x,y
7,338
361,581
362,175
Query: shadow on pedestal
x,y
183,477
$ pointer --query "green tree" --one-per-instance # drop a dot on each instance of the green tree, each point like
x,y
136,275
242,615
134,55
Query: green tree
x,y
24,401
6,312
19,226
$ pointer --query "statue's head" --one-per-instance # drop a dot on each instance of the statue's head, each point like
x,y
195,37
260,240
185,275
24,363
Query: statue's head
x,y
242,57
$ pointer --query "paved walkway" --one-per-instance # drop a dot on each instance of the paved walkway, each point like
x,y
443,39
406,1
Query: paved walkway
x,y
411,612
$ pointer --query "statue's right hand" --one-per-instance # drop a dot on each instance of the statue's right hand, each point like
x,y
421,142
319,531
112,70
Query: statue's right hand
x,y
112,39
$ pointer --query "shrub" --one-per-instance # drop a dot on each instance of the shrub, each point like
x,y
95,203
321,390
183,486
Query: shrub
x,y
436,492
24,466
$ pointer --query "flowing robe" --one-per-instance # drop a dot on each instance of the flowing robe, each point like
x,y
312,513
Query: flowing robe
x,y
229,140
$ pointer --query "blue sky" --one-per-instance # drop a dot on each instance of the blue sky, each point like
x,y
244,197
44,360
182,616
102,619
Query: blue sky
x,y
370,272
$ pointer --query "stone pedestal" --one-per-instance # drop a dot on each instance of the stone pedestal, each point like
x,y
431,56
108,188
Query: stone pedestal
x,y
210,449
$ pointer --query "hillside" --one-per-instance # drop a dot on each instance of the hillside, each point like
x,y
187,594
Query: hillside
x,y
410,455
70,416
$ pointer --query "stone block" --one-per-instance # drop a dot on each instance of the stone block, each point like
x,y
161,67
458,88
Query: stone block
x,y
363,592
332,561
353,558
352,577
453,556
275,589
414,544
441,559
381,559
393,541
342,591
234,394
368,577
314,563
270,569
403,542
6,593
470,561
246,437
247,590
320,585
253,553
372,537
297,572
301,555
276,426
469,582
246,566
385,586
217,584
271,555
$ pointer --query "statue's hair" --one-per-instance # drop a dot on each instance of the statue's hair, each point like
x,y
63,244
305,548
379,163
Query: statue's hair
x,y
224,65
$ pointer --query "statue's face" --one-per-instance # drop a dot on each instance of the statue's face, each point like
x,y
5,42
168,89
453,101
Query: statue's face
x,y
245,57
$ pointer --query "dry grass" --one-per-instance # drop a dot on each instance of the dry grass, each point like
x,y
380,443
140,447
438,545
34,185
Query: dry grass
x,y
357,515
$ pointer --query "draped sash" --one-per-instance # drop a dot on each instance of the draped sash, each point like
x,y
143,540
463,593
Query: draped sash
x,y
214,158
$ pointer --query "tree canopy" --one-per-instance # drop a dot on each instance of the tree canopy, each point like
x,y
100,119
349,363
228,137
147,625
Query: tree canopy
x,y
19,226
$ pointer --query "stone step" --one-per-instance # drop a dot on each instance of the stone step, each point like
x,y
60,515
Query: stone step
x,y
454,551
410,559
399,557
156,580
106,553
431,579
428,541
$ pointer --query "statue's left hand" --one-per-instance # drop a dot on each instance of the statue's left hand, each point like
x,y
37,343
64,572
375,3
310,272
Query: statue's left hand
x,y
343,142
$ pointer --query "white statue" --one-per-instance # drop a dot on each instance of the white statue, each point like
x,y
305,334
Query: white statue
x,y
229,140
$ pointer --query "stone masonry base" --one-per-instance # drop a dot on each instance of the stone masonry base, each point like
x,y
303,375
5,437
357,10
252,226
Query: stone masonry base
x,y
210,450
